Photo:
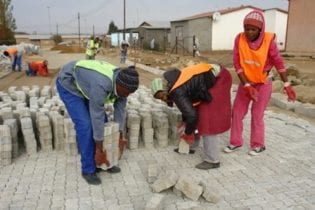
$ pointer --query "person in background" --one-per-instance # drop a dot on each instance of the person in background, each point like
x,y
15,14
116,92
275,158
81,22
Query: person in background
x,y
123,51
90,49
15,54
255,53
97,45
37,68
84,86
202,94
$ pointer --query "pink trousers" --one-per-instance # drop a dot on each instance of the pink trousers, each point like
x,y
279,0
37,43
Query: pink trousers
x,y
240,108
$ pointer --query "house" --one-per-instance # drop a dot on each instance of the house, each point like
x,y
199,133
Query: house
x,y
154,34
216,30
300,34
46,40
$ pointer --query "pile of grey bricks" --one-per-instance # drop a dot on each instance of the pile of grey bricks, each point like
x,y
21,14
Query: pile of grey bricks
x,y
33,119
38,119
149,122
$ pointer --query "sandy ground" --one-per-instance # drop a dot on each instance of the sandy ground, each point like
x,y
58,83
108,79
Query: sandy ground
x,y
159,60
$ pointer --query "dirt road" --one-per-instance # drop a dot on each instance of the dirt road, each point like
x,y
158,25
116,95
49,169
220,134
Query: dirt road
x,y
56,60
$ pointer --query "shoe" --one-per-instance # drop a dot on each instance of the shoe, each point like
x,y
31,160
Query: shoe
x,y
206,165
190,151
91,178
255,151
113,170
231,148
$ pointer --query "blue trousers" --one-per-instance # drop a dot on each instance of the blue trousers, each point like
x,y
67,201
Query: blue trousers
x,y
78,109
17,61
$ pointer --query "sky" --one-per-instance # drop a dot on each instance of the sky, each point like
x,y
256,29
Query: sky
x,y
52,16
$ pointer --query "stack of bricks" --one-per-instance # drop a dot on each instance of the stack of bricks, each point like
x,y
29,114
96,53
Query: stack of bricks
x,y
44,132
147,131
174,118
5,145
160,126
12,123
133,129
70,138
111,143
28,135
58,131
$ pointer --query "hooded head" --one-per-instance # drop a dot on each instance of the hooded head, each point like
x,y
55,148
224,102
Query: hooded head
x,y
156,86
254,21
254,18
128,78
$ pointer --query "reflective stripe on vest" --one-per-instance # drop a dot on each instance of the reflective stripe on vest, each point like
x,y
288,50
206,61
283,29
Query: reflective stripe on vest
x,y
253,61
101,67
188,72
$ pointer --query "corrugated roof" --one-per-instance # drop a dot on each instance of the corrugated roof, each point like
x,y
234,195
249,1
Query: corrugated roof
x,y
155,24
223,11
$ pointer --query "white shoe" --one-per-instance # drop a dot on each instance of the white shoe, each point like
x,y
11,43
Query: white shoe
x,y
231,148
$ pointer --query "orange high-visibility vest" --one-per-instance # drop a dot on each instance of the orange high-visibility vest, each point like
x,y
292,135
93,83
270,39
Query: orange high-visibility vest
x,y
253,61
12,51
190,71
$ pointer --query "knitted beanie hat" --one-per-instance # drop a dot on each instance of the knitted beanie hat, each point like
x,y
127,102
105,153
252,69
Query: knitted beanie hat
x,y
128,78
254,18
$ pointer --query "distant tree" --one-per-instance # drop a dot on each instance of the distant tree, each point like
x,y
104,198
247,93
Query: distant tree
x,y
112,28
57,39
7,23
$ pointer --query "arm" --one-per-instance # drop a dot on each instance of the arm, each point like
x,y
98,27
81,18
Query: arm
x,y
189,113
97,112
120,112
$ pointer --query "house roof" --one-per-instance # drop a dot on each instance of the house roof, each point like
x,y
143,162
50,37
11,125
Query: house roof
x,y
223,11
280,10
155,24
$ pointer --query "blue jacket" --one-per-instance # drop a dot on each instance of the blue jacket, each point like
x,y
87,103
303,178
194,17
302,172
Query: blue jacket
x,y
97,87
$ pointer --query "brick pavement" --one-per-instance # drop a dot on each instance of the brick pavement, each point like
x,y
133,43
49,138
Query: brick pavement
x,y
282,177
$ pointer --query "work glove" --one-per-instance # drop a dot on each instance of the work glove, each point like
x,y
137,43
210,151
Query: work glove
x,y
100,156
251,92
290,93
189,138
122,145
181,128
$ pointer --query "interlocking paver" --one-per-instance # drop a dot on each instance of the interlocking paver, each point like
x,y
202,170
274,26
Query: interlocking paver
x,y
281,177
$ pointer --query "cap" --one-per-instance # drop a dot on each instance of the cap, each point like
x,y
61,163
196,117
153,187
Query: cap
x,y
128,78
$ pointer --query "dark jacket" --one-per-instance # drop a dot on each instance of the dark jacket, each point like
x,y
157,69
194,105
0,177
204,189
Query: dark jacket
x,y
192,91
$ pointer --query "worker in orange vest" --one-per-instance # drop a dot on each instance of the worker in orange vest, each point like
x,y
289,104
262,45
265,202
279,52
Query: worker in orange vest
x,y
15,54
202,94
255,53
37,68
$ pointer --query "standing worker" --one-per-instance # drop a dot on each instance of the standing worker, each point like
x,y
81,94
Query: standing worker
x,y
255,53
84,86
202,94
15,54
90,49
123,51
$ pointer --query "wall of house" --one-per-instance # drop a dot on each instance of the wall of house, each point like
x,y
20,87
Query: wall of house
x,y
201,29
225,29
160,36
276,22
180,30
301,30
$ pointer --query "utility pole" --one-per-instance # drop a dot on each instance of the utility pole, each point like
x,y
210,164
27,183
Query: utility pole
x,y
49,19
124,33
57,28
79,26
93,31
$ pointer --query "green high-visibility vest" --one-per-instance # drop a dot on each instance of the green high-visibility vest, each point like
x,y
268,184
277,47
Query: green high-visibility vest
x,y
101,67
90,48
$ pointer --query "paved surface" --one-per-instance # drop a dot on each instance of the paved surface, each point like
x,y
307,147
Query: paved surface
x,y
282,177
